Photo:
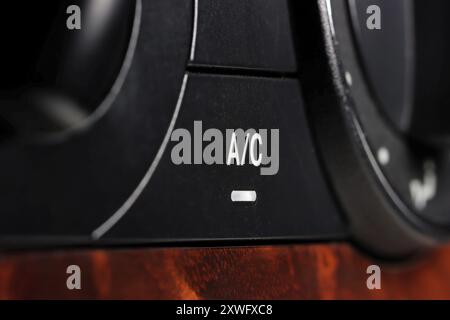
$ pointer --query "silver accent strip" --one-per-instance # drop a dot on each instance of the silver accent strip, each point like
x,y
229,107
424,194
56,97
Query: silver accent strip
x,y
120,213
194,31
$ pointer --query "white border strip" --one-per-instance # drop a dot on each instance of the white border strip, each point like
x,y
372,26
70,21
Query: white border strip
x,y
108,224
194,31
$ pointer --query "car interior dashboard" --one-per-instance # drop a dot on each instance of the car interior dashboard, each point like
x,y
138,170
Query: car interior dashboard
x,y
225,149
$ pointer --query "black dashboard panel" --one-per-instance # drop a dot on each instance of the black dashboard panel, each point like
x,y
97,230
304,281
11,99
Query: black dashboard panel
x,y
253,34
193,199
116,180
78,181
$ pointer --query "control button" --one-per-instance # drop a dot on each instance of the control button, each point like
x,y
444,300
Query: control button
x,y
247,135
407,63
61,61
254,34
395,108
410,86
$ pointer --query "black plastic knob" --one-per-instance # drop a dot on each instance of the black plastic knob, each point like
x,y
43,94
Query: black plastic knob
x,y
407,62
429,117
59,61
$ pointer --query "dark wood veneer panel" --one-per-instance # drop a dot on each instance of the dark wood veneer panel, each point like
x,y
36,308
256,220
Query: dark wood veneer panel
x,y
281,272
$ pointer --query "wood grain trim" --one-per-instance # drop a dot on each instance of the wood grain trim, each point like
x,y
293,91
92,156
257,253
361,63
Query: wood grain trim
x,y
335,271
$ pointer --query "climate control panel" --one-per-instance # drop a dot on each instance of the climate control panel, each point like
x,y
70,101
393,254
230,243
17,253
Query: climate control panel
x,y
173,121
